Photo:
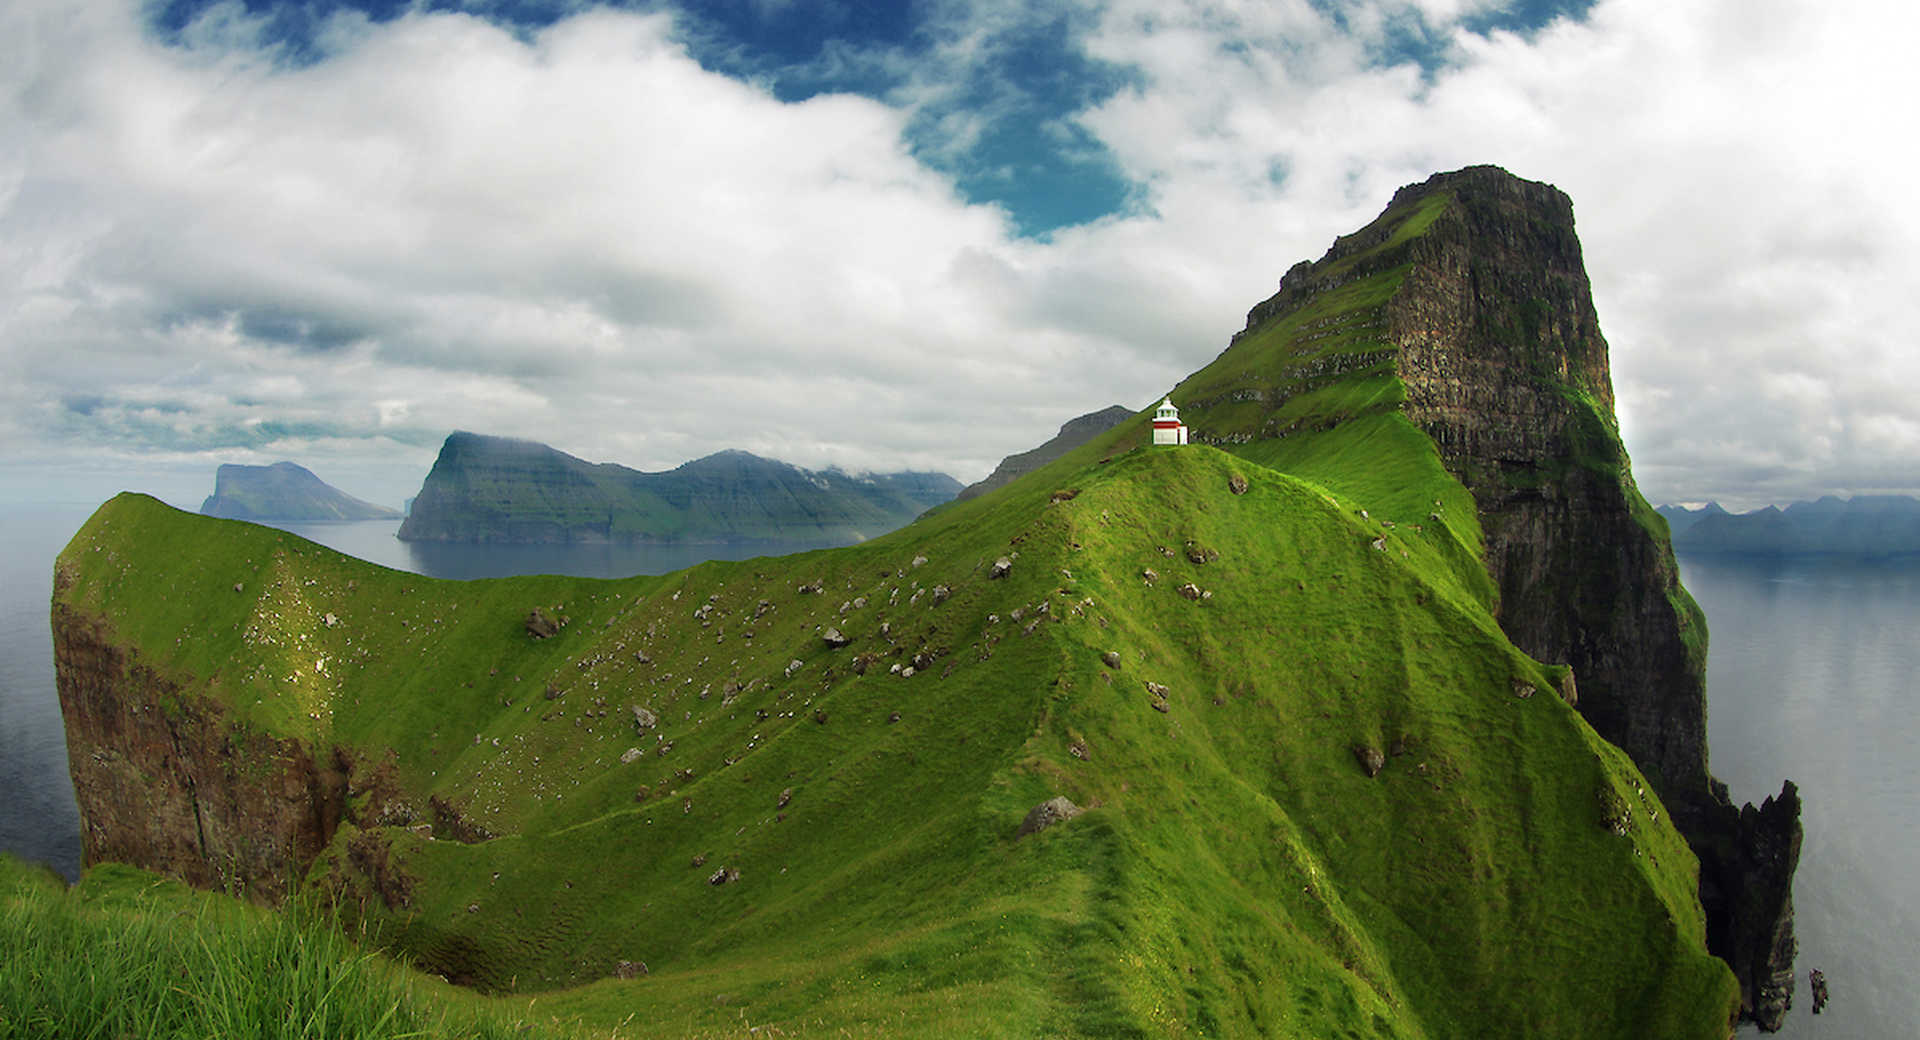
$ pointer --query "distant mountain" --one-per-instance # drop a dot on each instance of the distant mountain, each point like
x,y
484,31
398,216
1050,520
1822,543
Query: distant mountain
x,y
1073,433
283,493
1680,518
1865,525
492,489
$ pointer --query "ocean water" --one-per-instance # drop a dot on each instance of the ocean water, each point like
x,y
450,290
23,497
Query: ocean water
x,y
1810,677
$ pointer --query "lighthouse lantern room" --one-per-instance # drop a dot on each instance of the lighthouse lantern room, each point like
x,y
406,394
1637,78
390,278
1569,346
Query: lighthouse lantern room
x,y
1167,427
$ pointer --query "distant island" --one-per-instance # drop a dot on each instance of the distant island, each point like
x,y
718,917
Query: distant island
x,y
497,490
1865,525
1073,433
284,493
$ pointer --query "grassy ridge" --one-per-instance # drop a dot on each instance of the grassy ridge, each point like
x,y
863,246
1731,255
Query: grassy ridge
x,y
1236,873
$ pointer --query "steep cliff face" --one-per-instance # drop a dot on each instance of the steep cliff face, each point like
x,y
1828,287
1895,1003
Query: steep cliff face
x,y
1470,291
169,780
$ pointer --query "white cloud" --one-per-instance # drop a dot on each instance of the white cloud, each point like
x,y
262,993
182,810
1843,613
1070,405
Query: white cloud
x,y
582,236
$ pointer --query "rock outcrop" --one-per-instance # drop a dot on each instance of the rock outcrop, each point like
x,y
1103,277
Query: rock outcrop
x,y
491,489
284,493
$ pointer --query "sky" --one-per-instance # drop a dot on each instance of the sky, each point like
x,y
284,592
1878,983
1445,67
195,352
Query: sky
x,y
888,236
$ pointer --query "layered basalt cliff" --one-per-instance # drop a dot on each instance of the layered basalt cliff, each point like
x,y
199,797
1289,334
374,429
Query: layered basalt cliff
x,y
1487,320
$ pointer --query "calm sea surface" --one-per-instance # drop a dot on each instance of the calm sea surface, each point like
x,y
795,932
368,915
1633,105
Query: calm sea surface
x,y
1810,672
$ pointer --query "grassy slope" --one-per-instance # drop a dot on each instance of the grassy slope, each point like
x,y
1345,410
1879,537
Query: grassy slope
x,y
1237,874
129,954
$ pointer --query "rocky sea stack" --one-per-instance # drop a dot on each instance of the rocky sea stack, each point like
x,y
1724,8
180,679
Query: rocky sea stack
x,y
1318,701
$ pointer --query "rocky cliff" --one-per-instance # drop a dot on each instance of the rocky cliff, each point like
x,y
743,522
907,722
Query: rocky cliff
x,y
284,492
1465,308
1073,433
492,489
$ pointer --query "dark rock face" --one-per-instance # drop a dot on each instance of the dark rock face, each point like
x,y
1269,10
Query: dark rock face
x,y
1073,433
284,492
1494,335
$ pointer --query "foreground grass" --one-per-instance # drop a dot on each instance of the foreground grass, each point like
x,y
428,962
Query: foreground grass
x,y
127,954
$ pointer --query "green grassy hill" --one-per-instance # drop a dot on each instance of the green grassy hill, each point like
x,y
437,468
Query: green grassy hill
x,y
1323,794
1236,871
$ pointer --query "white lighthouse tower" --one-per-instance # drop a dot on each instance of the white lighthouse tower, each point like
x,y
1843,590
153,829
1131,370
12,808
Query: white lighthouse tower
x,y
1167,427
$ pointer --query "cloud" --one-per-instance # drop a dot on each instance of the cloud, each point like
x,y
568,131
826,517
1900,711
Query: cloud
x,y
587,232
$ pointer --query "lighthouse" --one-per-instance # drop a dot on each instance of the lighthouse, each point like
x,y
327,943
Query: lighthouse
x,y
1167,427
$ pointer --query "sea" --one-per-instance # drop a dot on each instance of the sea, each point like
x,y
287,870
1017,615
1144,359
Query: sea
x,y
1810,675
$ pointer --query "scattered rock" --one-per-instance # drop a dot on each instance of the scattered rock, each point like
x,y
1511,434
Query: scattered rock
x,y
1201,554
812,587
329,620
1523,689
1159,694
834,639
629,969
1046,814
1370,758
630,755
723,876
940,593
238,586
1111,659
1066,495
820,716
1001,568
643,719
554,693
893,717
1380,544
641,657
785,797
542,626
1150,575
700,860
1078,749
1568,692
1190,591
919,560
1237,484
